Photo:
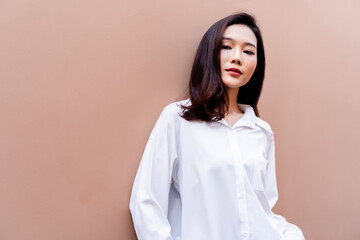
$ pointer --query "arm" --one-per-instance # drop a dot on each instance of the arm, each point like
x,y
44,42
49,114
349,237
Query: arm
x,y
289,231
150,193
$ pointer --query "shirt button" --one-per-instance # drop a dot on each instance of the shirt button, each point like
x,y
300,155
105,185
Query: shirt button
x,y
242,195
245,235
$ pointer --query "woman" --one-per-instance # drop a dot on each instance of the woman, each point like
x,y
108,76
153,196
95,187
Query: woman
x,y
208,169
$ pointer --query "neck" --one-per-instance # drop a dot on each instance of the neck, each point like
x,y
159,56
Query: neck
x,y
232,101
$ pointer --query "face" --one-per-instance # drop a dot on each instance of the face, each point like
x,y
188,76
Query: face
x,y
238,55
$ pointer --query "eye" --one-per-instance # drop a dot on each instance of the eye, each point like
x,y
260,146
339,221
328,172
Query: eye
x,y
249,52
225,47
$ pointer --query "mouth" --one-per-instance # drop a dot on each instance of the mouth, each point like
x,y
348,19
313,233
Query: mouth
x,y
234,71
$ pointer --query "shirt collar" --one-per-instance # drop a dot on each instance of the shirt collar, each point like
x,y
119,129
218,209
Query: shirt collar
x,y
248,119
251,119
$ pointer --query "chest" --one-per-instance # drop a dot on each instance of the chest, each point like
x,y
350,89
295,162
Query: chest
x,y
217,154
219,146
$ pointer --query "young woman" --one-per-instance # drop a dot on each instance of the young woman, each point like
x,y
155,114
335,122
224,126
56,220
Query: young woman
x,y
208,169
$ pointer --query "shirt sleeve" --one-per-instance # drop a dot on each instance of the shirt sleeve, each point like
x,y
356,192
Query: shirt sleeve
x,y
150,193
289,231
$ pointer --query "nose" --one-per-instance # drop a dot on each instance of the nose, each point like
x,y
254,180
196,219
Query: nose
x,y
236,57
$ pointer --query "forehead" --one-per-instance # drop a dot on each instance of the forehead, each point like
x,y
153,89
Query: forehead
x,y
240,33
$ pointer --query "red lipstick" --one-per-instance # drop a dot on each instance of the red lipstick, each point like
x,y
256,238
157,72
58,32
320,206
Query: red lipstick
x,y
234,71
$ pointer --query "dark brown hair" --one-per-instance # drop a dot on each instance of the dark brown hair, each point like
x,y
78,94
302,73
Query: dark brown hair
x,y
206,88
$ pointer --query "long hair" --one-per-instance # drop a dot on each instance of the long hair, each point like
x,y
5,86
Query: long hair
x,y
207,92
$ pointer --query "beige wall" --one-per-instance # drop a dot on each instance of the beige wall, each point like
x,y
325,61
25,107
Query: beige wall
x,y
83,82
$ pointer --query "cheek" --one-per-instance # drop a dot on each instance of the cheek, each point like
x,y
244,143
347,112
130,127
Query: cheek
x,y
224,56
252,64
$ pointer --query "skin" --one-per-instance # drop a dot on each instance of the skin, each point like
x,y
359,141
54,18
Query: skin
x,y
238,51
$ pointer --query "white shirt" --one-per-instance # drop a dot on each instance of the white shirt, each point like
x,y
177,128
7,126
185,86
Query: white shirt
x,y
208,181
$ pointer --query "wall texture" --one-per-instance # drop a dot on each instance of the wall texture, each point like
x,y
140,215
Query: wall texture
x,y
83,82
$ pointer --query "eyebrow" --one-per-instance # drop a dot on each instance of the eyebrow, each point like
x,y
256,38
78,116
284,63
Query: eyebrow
x,y
246,43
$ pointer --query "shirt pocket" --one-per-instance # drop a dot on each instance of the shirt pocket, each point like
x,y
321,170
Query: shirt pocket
x,y
256,171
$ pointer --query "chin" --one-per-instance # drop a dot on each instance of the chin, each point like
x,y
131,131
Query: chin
x,y
233,84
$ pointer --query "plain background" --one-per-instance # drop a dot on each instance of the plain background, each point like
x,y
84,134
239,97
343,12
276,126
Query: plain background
x,y
82,83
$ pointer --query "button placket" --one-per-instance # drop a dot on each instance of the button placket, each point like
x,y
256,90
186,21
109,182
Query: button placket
x,y
233,146
240,186
238,165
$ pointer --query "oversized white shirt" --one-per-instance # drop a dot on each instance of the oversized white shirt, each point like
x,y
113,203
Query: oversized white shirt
x,y
208,181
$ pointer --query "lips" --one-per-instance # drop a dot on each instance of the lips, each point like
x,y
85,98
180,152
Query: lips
x,y
233,70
